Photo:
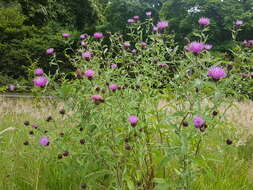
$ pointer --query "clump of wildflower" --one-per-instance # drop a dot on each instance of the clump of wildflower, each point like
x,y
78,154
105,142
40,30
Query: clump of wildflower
x,y
163,65
162,25
87,55
34,126
65,153
196,47
97,99
133,120
131,20
248,43
40,81
44,141
238,22
216,73
198,121
113,66
38,71
89,74
204,21
113,87
149,13
66,35
50,51
98,35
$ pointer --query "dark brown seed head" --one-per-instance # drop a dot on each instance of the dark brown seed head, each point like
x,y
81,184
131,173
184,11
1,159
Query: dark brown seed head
x,y
26,143
60,156
81,129
83,186
230,67
31,132
45,131
62,111
229,141
61,134
98,89
127,139
49,118
185,124
82,141
65,153
26,123
215,113
128,147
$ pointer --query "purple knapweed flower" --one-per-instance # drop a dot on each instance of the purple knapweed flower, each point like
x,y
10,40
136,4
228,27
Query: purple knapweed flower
x,y
126,44
133,120
44,141
66,35
162,24
40,81
204,21
208,46
97,99
143,44
113,87
38,71
11,87
50,51
148,13
98,35
198,121
216,73
89,74
83,36
131,20
113,66
136,18
245,74
238,22
87,55
163,65
196,47
155,28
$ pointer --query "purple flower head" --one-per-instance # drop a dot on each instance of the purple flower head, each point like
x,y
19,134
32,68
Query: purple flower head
x,y
131,20
149,13
216,73
163,65
96,97
133,120
87,55
98,35
155,28
136,18
38,71
44,141
143,44
40,81
198,121
196,47
113,87
83,36
245,74
89,74
162,24
208,46
11,87
238,22
66,35
126,44
50,51
113,66
204,21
